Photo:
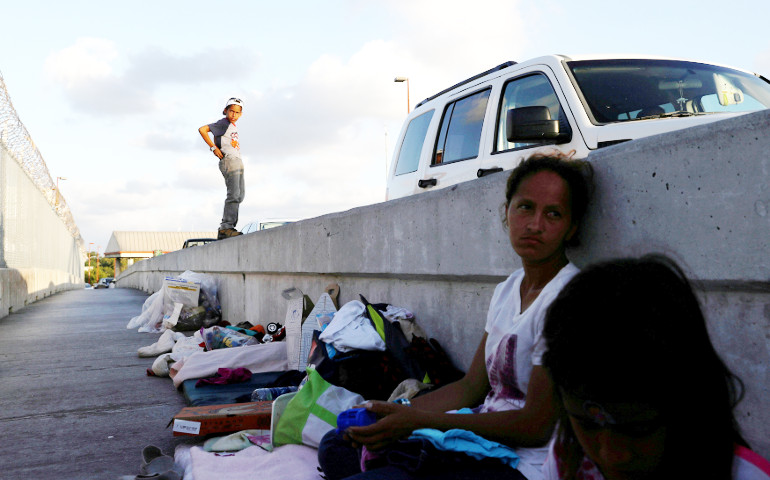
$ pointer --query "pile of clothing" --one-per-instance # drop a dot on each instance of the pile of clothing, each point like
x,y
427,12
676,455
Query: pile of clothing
x,y
330,359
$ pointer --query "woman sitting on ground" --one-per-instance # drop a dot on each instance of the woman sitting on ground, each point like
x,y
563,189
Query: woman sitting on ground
x,y
644,393
546,197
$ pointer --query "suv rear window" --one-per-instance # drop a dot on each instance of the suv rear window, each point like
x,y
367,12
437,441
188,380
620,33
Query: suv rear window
x,y
460,132
409,155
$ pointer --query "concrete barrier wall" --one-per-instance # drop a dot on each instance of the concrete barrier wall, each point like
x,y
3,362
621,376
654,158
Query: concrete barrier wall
x,y
19,288
38,255
700,195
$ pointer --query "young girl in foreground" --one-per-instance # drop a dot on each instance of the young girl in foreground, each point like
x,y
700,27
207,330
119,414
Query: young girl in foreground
x,y
644,393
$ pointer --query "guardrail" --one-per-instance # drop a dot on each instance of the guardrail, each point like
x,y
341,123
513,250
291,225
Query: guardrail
x,y
700,195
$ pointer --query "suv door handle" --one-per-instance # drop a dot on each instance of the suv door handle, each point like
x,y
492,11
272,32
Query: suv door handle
x,y
483,172
431,182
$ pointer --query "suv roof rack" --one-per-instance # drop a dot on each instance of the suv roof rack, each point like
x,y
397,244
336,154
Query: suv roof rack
x,y
468,80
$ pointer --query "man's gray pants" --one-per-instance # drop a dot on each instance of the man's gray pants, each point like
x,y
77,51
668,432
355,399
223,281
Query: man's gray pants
x,y
232,169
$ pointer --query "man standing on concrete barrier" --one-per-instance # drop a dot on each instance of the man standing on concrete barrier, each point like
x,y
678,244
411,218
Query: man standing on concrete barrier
x,y
230,164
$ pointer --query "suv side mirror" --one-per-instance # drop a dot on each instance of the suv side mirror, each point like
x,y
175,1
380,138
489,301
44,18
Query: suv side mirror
x,y
533,123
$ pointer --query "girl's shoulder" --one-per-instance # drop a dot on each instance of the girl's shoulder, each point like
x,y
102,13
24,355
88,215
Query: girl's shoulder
x,y
749,465
564,275
508,285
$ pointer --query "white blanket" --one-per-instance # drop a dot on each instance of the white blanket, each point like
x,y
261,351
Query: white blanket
x,y
289,462
266,357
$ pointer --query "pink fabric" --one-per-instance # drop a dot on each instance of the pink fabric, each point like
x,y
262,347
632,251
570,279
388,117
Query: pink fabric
x,y
226,376
289,462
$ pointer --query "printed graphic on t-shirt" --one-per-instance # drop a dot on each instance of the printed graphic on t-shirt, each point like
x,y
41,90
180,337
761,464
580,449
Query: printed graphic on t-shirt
x,y
234,140
501,368
589,471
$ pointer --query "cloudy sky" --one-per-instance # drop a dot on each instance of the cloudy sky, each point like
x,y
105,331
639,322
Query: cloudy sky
x,y
113,93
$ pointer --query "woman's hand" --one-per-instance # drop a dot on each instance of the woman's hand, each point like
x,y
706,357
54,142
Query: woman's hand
x,y
396,422
530,426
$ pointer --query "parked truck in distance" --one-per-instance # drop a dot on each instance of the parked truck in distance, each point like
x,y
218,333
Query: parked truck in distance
x,y
491,121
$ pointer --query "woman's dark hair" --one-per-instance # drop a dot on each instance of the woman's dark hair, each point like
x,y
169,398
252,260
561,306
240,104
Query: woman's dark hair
x,y
632,330
578,175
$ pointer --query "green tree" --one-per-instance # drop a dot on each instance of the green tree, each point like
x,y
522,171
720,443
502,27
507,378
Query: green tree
x,y
106,268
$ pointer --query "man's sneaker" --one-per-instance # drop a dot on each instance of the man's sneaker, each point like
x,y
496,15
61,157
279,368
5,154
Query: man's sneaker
x,y
227,233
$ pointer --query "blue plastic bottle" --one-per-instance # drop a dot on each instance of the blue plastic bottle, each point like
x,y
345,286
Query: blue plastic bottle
x,y
355,417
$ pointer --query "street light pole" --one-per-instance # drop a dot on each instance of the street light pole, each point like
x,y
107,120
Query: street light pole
x,y
405,79
97,263
91,277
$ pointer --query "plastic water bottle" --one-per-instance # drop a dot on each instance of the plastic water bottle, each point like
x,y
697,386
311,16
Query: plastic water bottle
x,y
270,394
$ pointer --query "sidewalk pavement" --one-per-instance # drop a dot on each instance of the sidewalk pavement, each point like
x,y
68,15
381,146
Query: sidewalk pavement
x,y
75,401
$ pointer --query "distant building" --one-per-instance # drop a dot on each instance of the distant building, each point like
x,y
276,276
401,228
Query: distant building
x,y
141,245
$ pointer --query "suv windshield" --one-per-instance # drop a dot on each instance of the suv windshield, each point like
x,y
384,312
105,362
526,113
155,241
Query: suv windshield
x,y
628,90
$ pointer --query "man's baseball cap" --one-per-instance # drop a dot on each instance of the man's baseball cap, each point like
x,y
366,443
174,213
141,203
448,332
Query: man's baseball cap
x,y
234,101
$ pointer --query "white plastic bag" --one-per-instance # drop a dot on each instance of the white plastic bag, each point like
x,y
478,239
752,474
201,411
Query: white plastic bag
x,y
151,316
350,329
209,295
178,293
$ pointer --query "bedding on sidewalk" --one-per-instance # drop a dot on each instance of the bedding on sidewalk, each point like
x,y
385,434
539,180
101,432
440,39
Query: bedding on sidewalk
x,y
265,357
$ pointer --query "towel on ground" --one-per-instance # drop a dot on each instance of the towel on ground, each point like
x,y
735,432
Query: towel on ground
x,y
289,462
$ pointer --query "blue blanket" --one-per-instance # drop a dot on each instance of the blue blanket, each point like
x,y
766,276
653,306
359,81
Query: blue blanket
x,y
224,394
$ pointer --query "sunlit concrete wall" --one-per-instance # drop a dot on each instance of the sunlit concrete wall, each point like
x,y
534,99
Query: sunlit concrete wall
x,y
38,255
700,195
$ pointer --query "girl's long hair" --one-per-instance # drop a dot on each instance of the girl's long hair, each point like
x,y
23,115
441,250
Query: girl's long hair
x,y
632,330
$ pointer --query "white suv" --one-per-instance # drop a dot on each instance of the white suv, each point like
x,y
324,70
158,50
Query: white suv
x,y
491,121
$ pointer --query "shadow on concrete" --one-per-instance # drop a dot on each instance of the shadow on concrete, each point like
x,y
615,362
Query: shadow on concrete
x,y
13,291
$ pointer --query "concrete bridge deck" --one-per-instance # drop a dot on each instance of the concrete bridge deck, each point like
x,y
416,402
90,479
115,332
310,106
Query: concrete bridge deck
x,y
75,401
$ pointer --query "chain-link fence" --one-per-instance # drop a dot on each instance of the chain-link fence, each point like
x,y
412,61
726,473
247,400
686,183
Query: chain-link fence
x,y
37,230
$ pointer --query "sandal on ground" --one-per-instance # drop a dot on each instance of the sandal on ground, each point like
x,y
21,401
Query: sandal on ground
x,y
157,465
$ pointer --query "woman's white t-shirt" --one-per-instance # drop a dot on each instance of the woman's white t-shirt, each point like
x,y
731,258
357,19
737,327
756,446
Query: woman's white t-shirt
x,y
514,345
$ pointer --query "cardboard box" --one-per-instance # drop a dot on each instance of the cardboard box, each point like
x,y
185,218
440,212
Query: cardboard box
x,y
228,418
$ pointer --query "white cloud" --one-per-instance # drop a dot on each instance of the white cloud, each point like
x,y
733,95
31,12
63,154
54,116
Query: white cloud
x,y
436,46
87,73
300,118
87,60
458,39
155,66
98,78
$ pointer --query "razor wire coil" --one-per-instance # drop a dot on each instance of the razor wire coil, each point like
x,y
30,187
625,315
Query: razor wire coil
x,y
18,143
